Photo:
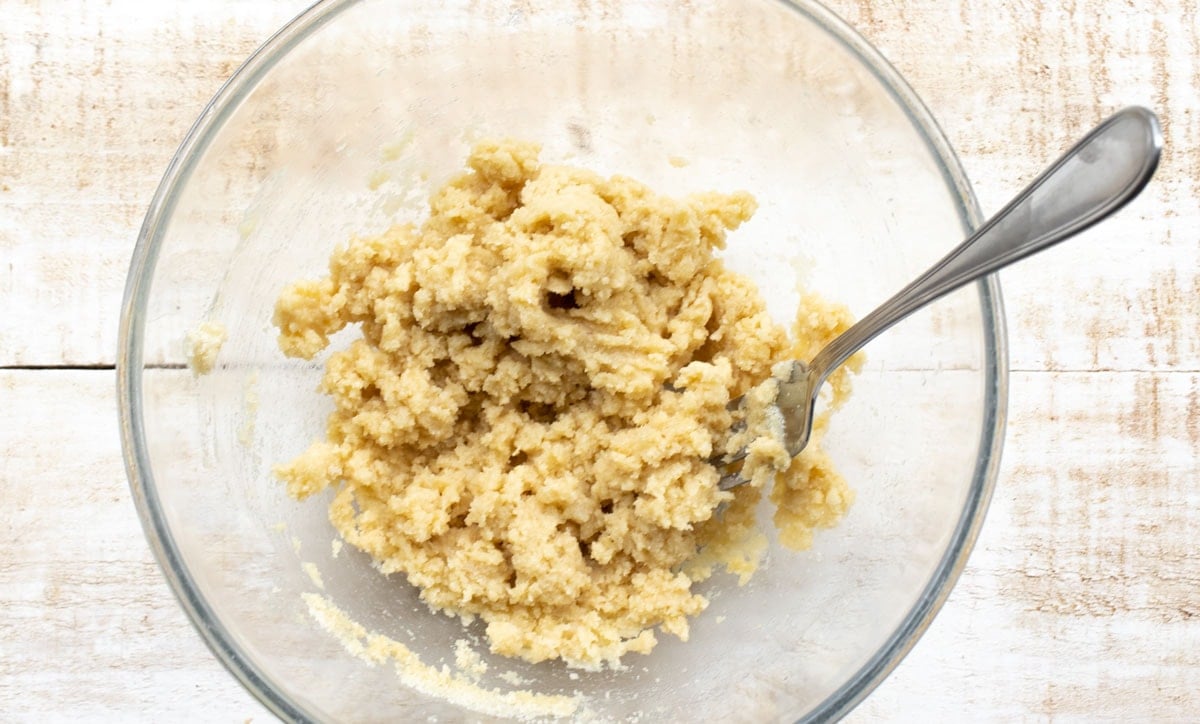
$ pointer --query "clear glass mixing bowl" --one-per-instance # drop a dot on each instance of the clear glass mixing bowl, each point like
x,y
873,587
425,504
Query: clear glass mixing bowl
x,y
346,118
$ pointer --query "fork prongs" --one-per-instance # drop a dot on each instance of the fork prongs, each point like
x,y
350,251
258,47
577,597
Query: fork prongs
x,y
729,481
732,479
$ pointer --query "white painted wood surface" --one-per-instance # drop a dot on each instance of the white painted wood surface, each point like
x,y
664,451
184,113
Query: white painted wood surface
x,y
1082,600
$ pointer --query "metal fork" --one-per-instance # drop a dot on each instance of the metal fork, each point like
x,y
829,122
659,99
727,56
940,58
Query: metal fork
x,y
1099,175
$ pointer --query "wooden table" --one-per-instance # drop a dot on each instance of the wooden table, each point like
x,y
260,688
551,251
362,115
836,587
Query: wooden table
x,y
1082,600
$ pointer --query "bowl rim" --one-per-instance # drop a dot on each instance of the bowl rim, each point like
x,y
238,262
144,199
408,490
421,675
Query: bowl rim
x,y
145,255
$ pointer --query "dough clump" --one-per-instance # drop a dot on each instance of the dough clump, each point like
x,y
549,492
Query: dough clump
x,y
523,427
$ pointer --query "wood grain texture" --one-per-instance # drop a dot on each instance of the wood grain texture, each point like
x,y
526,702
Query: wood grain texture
x,y
1082,599
94,99
88,628
1013,84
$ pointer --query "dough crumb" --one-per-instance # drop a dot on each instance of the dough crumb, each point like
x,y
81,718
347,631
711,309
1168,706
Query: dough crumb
x,y
394,150
203,344
314,574
335,547
377,649
525,423
468,661
514,679
677,161
377,178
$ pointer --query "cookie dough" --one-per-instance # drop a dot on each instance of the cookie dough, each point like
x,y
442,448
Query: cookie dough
x,y
203,345
523,426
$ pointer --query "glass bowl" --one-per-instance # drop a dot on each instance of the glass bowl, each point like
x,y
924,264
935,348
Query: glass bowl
x,y
343,121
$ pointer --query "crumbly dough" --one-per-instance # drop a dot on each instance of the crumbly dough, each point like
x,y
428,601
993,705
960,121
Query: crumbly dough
x,y
460,687
524,427
203,345
468,661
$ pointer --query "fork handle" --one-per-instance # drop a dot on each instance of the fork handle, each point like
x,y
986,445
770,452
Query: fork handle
x,y
1094,179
